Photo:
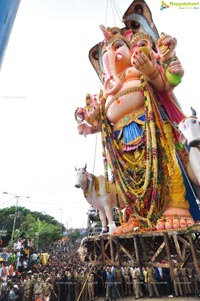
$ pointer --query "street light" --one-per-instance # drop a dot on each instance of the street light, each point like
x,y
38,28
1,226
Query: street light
x,y
16,209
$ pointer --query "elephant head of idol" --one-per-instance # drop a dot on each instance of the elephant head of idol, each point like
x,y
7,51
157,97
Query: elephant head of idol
x,y
111,57
115,59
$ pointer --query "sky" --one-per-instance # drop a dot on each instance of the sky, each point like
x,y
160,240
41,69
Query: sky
x,y
45,76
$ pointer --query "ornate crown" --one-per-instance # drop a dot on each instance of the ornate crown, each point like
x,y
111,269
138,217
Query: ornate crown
x,y
113,38
141,36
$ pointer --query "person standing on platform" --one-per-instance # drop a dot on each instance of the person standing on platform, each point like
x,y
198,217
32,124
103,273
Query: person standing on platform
x,y
145,273
127,281
112,293
91,286
152,285
137,289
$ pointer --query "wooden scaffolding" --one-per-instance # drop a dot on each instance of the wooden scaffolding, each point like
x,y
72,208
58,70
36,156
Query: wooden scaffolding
x,y
160,248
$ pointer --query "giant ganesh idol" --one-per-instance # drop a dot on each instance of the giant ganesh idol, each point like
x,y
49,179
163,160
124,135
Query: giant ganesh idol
x,y
136,111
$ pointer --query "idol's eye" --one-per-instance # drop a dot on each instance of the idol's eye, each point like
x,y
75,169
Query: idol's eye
x,y
142,43
118,44
115,30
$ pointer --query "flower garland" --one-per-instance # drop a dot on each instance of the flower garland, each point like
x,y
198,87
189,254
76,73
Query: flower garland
x,y
96,185
142,181
89,185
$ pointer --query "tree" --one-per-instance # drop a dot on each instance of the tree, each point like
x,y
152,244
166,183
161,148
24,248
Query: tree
x,y
73,235
42,233
40,228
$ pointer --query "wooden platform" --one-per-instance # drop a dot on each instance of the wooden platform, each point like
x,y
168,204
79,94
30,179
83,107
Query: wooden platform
x,y
159,248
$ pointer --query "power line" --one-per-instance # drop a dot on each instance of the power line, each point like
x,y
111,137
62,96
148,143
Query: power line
x,y
7,201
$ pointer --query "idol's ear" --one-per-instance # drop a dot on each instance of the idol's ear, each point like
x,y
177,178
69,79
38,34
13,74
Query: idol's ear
x,y
138,17
95,59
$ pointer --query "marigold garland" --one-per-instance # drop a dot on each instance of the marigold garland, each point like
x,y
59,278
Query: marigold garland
x,y
144,187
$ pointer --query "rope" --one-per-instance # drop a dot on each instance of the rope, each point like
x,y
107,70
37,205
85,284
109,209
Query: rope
x,y
106,14
84,284
95,152
114,10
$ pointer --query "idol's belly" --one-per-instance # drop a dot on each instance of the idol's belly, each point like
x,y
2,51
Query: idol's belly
x,y
127,100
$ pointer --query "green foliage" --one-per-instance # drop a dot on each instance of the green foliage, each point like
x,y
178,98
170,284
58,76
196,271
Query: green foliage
x,y
42,229
73,235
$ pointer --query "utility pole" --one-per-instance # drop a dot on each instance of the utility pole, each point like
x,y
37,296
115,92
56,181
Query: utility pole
x,y
14,221
16,212
61,213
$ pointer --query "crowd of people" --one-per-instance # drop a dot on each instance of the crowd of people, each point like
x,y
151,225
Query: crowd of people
x,y
60,275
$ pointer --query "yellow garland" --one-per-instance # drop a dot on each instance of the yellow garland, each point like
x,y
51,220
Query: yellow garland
x,y
96,185
120,216
141,187
136,161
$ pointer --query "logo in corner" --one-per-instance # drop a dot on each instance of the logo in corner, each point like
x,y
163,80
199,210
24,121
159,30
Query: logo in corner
x,y
163,5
